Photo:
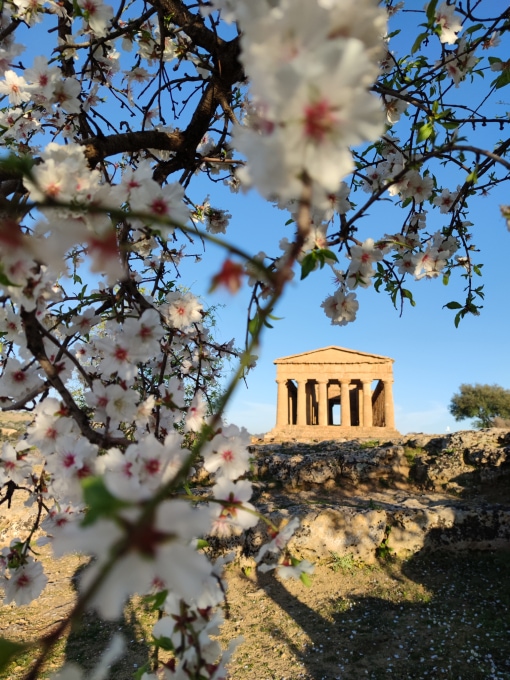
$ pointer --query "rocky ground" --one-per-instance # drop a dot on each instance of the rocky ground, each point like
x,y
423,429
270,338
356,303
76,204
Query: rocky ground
x,y
381,605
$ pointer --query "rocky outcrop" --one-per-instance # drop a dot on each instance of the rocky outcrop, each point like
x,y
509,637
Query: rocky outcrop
x,y
329,464
367,499
454,462
464,460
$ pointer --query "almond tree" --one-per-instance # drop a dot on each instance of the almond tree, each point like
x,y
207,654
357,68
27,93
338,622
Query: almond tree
x,y
325,107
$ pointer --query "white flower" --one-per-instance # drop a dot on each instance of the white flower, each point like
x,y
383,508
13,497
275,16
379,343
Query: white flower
x,y
96,15
121,406
17,381
25,583
227,456
449,22
13,467
395,107
16,87
279,542
236,514
445,200
183,310
145,332
341,308
159,552
196,413
119,357
66,93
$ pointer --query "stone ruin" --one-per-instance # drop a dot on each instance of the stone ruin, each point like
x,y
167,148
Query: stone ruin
x,y
393,497
334,392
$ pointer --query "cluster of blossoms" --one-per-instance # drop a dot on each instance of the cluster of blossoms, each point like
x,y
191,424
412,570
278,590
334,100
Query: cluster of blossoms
x,y
310,66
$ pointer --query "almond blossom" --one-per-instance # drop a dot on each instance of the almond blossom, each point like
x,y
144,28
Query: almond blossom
x,y
23,583
235,514
96,15
15,87
449,23
227,454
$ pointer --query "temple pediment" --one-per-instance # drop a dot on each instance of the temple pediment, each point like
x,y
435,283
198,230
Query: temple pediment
x,y
333,355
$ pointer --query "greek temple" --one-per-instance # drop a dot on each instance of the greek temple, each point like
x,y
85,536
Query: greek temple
x,y
334,392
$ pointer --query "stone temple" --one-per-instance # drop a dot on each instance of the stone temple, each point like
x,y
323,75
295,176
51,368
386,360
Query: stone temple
x,y
333,393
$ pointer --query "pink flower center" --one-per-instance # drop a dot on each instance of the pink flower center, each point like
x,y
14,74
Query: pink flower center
x,y
68,460
159,207
319,120
19,376
23,581
152,466
121,353
90,8
227,456
83,472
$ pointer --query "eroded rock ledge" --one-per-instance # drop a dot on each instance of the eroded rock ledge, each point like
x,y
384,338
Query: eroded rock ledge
x,y
397,497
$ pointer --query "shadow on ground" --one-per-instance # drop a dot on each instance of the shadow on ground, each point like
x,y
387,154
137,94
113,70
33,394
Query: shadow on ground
x,y
434,616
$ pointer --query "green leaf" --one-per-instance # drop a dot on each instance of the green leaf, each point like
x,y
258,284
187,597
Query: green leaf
x,y
202,543
254,325
453,305
458,317
431,10
502,80
164,642
474,28
308,264
472,177
9,650
409,296
17,165
449,125
328,254
100,502
477,268
289,222
5,280
446,279
418,42
156,601
305,578
141,671
425,131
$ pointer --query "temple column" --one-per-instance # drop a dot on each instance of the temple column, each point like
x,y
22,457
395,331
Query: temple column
x,y
282,404
323,402
367,403
345,402
389,413
301,402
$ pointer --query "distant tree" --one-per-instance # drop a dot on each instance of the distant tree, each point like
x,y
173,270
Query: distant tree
x,y
482,402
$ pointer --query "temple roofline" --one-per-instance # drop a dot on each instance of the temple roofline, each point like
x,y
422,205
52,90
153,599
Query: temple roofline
x,y
333,347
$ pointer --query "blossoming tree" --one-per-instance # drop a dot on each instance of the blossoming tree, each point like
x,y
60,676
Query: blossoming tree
x,y
109,129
